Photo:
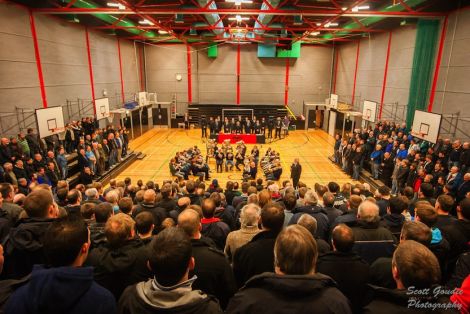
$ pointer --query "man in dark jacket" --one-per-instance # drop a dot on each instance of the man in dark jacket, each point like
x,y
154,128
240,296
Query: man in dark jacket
x,y
414,288
159,214
214,274
24,244
123,260
170,289
371,240
394,219
103,211
315,211
295,172
257,256
62,285
350,272
295,287
387,169
213,227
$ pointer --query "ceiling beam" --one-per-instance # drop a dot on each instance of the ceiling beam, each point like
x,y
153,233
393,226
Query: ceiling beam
x,y
163,11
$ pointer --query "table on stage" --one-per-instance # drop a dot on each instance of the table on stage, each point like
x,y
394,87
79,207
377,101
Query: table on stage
x,y
234,138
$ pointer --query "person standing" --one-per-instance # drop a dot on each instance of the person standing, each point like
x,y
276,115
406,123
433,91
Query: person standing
x,y
204,127
270,127
278,127
295,172
186,121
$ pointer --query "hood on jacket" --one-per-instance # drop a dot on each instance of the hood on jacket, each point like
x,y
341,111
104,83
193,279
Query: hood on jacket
x,y
120,259
394,220
28,233
57,290
181,297
294,285
436,236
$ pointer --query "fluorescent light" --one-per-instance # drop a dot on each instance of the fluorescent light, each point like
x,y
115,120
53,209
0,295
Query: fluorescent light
x,y
238,18
146,22
357,8
331,24
116,5
162,32
314,34
239,2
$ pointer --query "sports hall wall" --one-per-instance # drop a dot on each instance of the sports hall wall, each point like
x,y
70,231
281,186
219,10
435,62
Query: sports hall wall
x,y
451,93
64,59
262,80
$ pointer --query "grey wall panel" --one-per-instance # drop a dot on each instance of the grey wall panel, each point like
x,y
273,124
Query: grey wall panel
x,y
452,92
19,84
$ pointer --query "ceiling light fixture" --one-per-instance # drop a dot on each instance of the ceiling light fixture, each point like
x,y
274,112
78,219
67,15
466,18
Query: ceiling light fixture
x,y
357,8
239,2
162,32
116,5
146,22
238,18
314,34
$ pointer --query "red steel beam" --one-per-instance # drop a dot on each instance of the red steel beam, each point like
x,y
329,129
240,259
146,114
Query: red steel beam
x,y
438,65
238,74
190,82
120,70
355,72
90,68
384,85
286,87
38,59
163,11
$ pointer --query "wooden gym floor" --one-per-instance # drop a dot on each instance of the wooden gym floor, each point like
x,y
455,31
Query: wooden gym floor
x,y
311,147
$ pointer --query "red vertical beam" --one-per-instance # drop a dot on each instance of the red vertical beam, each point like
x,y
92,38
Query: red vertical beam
x,y
141,67
355,72
385,75
190,82
286,88
90,68
438,64
335,70
38,59
238,74
120,70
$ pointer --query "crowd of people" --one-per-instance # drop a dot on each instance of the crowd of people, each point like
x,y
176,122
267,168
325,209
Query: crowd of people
x,y
27,158
191,161
258,247
401,160
245,125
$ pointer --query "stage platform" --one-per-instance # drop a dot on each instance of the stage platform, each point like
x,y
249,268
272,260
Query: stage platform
x,y
234,138
312,148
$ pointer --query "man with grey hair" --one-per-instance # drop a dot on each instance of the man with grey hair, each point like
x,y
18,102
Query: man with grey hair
x,y
92,196
249,218
372,240
214,274
311,207
310,223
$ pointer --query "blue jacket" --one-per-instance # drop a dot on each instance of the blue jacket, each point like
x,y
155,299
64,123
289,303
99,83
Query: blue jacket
x,y
377,155
61,290
402,154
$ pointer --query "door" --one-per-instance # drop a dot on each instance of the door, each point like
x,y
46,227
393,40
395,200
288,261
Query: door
x,y
160,116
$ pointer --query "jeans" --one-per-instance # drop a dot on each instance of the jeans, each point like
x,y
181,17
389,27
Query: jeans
x,y
112,157
375,170
356,172
229,162
394,187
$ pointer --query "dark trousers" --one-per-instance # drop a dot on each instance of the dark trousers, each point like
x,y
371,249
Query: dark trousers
x,y
204,132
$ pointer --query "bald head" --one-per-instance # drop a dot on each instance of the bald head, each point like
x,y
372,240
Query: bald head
x,y
342,238
184,202
190,222
149,196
